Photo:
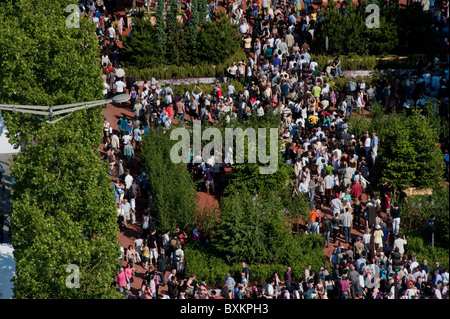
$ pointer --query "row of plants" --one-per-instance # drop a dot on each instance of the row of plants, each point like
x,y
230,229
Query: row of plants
x,y
420,210
349,62
348,31
172,188
173,49
431,243
64,219
352,61
186,70
206,264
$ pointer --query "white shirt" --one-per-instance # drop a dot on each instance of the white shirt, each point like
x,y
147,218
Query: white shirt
x,y
120,85
126,138
400,242
328,182
128,181
105,90
232,69
361,281
303,187
269,291
111,32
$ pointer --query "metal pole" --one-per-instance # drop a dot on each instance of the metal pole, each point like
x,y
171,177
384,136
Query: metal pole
x,y
432,239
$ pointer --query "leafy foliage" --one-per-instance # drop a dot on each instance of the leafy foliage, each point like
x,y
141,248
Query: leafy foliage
x,y
199,43
171,184
41,61
398,32
303,250
253,229
419,211
409,153
63,207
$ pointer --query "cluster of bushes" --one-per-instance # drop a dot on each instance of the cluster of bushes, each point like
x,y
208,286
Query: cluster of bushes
x,y
398,30
408,152
306,249
171,49
172,188
425,242
63,210
420,210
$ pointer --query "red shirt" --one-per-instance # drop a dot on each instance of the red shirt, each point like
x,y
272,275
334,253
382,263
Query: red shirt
x,y
219,93
388,202
356,190
170,111
181,237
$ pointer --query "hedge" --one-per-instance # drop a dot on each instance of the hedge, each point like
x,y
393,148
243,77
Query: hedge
x,y
204,262
201,70
171,184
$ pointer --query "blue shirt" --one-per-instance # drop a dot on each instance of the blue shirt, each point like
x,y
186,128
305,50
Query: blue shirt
x,y
374,142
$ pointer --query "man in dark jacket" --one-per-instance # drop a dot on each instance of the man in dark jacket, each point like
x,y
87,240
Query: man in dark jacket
x,y
326,228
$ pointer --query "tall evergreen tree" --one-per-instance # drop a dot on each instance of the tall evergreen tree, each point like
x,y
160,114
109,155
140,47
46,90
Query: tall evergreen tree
x,y
160,29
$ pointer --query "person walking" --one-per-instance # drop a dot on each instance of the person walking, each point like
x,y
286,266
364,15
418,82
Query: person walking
x,y
229,286
347,222
128,151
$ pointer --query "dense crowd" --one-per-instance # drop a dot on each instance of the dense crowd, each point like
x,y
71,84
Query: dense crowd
x,y
332,167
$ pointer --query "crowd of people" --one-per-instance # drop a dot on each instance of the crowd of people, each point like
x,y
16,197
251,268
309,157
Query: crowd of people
x,y
333,168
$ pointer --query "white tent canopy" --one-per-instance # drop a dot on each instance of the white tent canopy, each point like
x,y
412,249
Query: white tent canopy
x,y
7,271
5,146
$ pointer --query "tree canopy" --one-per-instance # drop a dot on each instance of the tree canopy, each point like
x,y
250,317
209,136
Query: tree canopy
x,y
63,210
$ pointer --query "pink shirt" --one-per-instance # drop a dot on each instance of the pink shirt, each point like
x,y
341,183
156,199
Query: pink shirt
x,y
128,273
121,279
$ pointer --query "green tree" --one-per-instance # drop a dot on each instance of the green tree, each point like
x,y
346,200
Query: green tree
x,y
44,62
218,40
409,153
160,30
63,208
142,47
254,229
172,13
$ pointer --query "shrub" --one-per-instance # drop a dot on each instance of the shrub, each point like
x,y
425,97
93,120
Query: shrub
x,y
207,262
174,50
171,184
254,230
423,250
397,34
408,153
